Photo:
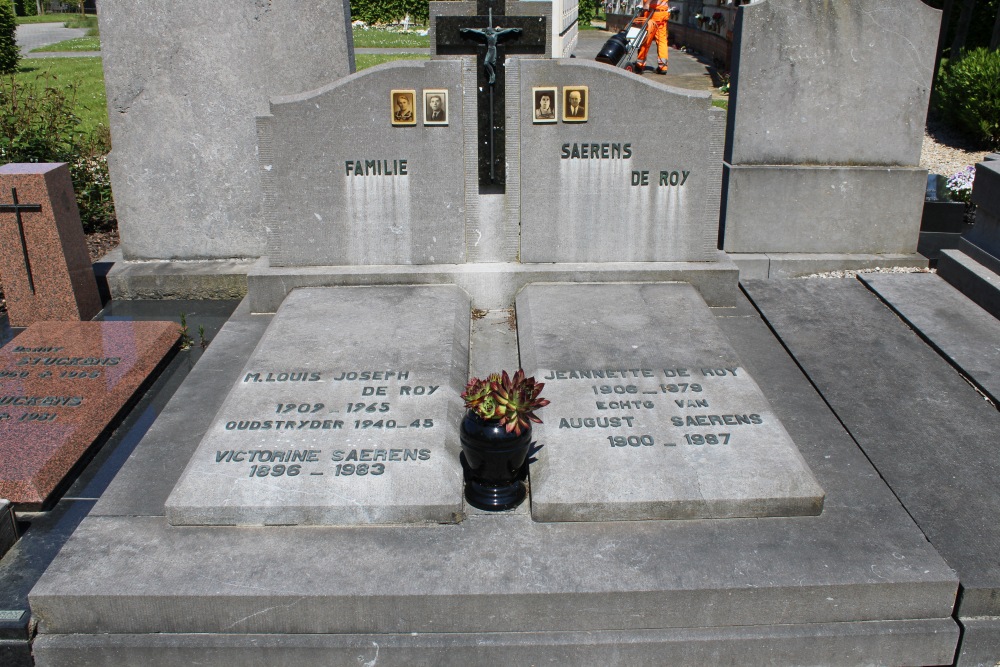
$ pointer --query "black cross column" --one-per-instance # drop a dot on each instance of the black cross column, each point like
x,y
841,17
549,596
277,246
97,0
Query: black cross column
x,y
511,35
17,208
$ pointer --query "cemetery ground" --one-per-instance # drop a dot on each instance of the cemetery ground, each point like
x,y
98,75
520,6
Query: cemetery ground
x,y
854,503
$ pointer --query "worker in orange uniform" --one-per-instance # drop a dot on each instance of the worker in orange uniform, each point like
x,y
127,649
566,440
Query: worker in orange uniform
x,y
656,29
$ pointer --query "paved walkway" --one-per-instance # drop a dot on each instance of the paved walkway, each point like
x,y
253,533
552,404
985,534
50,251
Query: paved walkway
x,y
35,35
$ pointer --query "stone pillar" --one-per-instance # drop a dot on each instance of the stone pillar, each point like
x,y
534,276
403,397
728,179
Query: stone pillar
x,y
824,138
46,269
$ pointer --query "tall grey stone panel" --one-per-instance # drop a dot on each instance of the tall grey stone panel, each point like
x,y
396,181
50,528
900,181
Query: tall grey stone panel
x,y
829,84
185,80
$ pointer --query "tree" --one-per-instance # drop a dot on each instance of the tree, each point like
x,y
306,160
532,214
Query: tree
x,y
964,21
995,42
9,53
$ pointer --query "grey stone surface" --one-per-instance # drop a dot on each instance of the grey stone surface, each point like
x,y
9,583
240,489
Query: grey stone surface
x,y
980,644
492,286
321,212
990,261
811,85
811,209
152,469
962,332
8,527
985,234
351,403
931,244
752,265
885,642
861,560
206,279
926,430
184,82
493,346
973,279
986,190
586,209
652,415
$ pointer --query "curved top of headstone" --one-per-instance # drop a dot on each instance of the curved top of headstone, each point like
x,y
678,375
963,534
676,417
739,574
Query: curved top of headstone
x,y
832,82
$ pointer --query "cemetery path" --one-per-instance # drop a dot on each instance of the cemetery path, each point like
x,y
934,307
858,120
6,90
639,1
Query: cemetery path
x,y
36,35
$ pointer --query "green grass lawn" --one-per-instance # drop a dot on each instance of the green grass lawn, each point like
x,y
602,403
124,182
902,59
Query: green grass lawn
x,y
84,73
46,18
373,38
77,44
364,61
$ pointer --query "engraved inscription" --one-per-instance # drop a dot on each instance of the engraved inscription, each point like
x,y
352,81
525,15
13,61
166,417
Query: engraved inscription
x,y
631,403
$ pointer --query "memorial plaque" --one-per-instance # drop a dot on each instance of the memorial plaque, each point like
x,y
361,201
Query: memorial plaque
x,y
61,385
652,415
347,413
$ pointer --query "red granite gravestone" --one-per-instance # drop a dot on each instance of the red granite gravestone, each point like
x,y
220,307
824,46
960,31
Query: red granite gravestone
x,y
44,261
61,385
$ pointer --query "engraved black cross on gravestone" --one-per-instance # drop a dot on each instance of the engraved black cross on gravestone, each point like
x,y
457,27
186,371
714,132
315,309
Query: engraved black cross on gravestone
x,y
491,35
16,208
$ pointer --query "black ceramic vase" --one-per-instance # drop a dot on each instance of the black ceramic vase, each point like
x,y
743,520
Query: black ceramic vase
x,y
494,463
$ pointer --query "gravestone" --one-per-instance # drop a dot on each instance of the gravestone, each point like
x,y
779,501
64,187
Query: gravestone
x,y
8,527
346,413
824,139
44,260
974,267
61,385
652,414
184,82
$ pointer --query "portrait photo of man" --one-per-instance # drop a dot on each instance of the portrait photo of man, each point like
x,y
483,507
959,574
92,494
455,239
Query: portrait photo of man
x,y
545,105
403,103
575,104
435,107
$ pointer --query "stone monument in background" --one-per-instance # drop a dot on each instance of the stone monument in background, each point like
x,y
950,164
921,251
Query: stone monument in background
x,y
826,123
184,81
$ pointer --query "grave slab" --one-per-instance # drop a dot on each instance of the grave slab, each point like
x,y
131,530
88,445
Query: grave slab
x,y
346,413
962,332
973,274
8,527
44,260
926,430
858,580
652,415
61,385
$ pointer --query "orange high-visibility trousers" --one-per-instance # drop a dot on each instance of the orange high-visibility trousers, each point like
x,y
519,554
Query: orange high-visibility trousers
x,y
656,29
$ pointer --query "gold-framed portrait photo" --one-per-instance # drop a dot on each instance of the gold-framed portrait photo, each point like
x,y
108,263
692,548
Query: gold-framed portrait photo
x,y
545,106
435,106
576,103
403,109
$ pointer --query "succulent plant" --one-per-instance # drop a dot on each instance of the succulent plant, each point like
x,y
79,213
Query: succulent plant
x,y
510,400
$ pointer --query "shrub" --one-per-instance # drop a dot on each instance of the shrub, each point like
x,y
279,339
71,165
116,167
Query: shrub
x,y
9,53
25,8
586,12
968,95
380,12
37,124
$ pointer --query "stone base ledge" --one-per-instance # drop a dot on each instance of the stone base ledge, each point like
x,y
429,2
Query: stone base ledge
x,y
8,527
491,286
793,265
214,279
972,271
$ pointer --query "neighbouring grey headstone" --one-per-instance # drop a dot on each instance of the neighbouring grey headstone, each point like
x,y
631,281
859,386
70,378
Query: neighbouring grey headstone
x,y
185,80
346,413
639,181
819,85
346,187
986,195
652,414
8,527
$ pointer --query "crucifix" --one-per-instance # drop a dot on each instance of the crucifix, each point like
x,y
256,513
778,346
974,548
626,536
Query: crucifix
x,y
17,208
491,35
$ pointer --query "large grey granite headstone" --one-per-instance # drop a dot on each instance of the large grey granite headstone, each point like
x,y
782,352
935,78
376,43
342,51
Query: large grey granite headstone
x,y
346,187
638,182
652,414
823,93
346,413
185,79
